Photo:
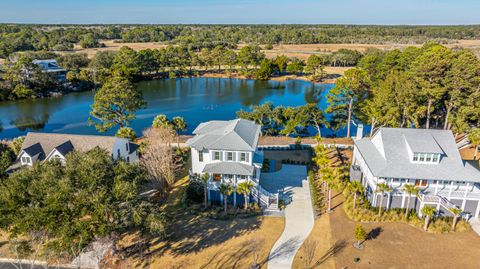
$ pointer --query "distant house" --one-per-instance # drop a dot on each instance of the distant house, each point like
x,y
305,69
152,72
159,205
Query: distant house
x,y
51,66
227,152
428,159
42,147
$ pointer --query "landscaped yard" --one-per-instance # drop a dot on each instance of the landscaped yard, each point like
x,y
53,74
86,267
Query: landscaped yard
x,y
202,242
391,245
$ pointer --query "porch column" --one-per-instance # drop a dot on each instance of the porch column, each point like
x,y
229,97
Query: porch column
x,y
389,200
477,214
463,204
209,183
234,190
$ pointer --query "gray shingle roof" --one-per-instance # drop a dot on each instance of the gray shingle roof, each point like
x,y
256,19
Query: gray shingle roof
x,y
43,143
230,168
236,134
397,164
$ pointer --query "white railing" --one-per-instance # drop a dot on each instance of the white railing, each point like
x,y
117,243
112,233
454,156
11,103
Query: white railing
x,y
436,199
266,199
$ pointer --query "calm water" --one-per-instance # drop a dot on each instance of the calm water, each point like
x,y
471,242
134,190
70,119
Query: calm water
x,y
195,99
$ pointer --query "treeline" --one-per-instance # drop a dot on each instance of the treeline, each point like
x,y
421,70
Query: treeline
x,y
63,37
172,61
15,38
427,87
286,121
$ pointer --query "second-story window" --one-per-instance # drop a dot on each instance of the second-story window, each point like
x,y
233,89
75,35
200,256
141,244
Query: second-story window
x,y
200,156
118,153
243,157
216,156
229,156
415,157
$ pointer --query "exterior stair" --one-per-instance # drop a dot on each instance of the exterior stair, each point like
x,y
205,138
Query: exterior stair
x,y
266,199
437,200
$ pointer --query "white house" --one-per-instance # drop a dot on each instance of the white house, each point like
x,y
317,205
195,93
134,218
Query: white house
x,y
227,151
428,159
42,147
51,66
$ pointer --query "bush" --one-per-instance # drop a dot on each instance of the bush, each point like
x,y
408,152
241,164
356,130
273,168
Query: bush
x,y
366,213
195,192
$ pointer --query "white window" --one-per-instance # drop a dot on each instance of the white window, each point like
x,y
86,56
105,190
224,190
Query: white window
x,y
435,158
25,159
229,156
118,153
415,157
243,157
243,177
128,159
200,156
216,155
126,147
422,157
429,157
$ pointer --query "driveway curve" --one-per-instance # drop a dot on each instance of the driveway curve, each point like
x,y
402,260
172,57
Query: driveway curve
x,y
299,220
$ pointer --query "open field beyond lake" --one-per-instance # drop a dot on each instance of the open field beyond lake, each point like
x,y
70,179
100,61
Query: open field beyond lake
x,y
301,51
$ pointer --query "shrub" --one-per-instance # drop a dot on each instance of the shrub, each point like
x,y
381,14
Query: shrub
x,y
194,192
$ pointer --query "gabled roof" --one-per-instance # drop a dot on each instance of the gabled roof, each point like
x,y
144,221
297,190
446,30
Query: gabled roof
x,y
231,168
42,144
395,162
236,134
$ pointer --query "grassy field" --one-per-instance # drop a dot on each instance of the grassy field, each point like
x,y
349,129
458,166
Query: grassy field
x,y
301,51
200,242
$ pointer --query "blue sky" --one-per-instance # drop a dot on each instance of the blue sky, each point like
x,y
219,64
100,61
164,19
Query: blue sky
x,y
246,11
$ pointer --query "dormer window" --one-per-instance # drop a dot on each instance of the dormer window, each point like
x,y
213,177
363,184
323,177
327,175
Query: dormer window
x,y
26,160
426,157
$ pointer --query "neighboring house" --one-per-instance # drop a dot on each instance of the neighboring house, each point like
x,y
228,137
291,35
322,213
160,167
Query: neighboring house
x,y
428,159
42,147
51,67
227,151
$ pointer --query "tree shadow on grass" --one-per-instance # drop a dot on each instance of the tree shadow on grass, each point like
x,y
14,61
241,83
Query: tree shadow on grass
x,y
189,233
374,233
337,247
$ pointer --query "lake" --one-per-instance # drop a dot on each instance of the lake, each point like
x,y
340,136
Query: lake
x,y
195,99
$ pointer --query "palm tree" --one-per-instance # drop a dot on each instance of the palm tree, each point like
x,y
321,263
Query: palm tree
x,y
245,188
428,211
329,178
382,188
226,190
179,125
410,189
161,121
355,187
474,137
204,179
456,214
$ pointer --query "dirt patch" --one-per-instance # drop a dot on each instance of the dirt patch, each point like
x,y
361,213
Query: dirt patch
x,y
284,140
318,250
398,245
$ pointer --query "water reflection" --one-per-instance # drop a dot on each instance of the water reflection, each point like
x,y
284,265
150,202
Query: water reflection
x,y
196,99
34,123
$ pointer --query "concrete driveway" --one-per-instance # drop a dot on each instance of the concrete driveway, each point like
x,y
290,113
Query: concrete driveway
x,y
292,179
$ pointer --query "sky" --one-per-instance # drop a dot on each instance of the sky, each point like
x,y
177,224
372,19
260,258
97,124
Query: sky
x,y
241,11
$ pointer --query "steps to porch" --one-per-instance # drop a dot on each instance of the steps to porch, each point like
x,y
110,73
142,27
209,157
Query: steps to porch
x,y
437,200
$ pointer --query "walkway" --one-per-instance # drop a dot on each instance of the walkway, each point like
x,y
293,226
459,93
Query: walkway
x,y
292,179
475,223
